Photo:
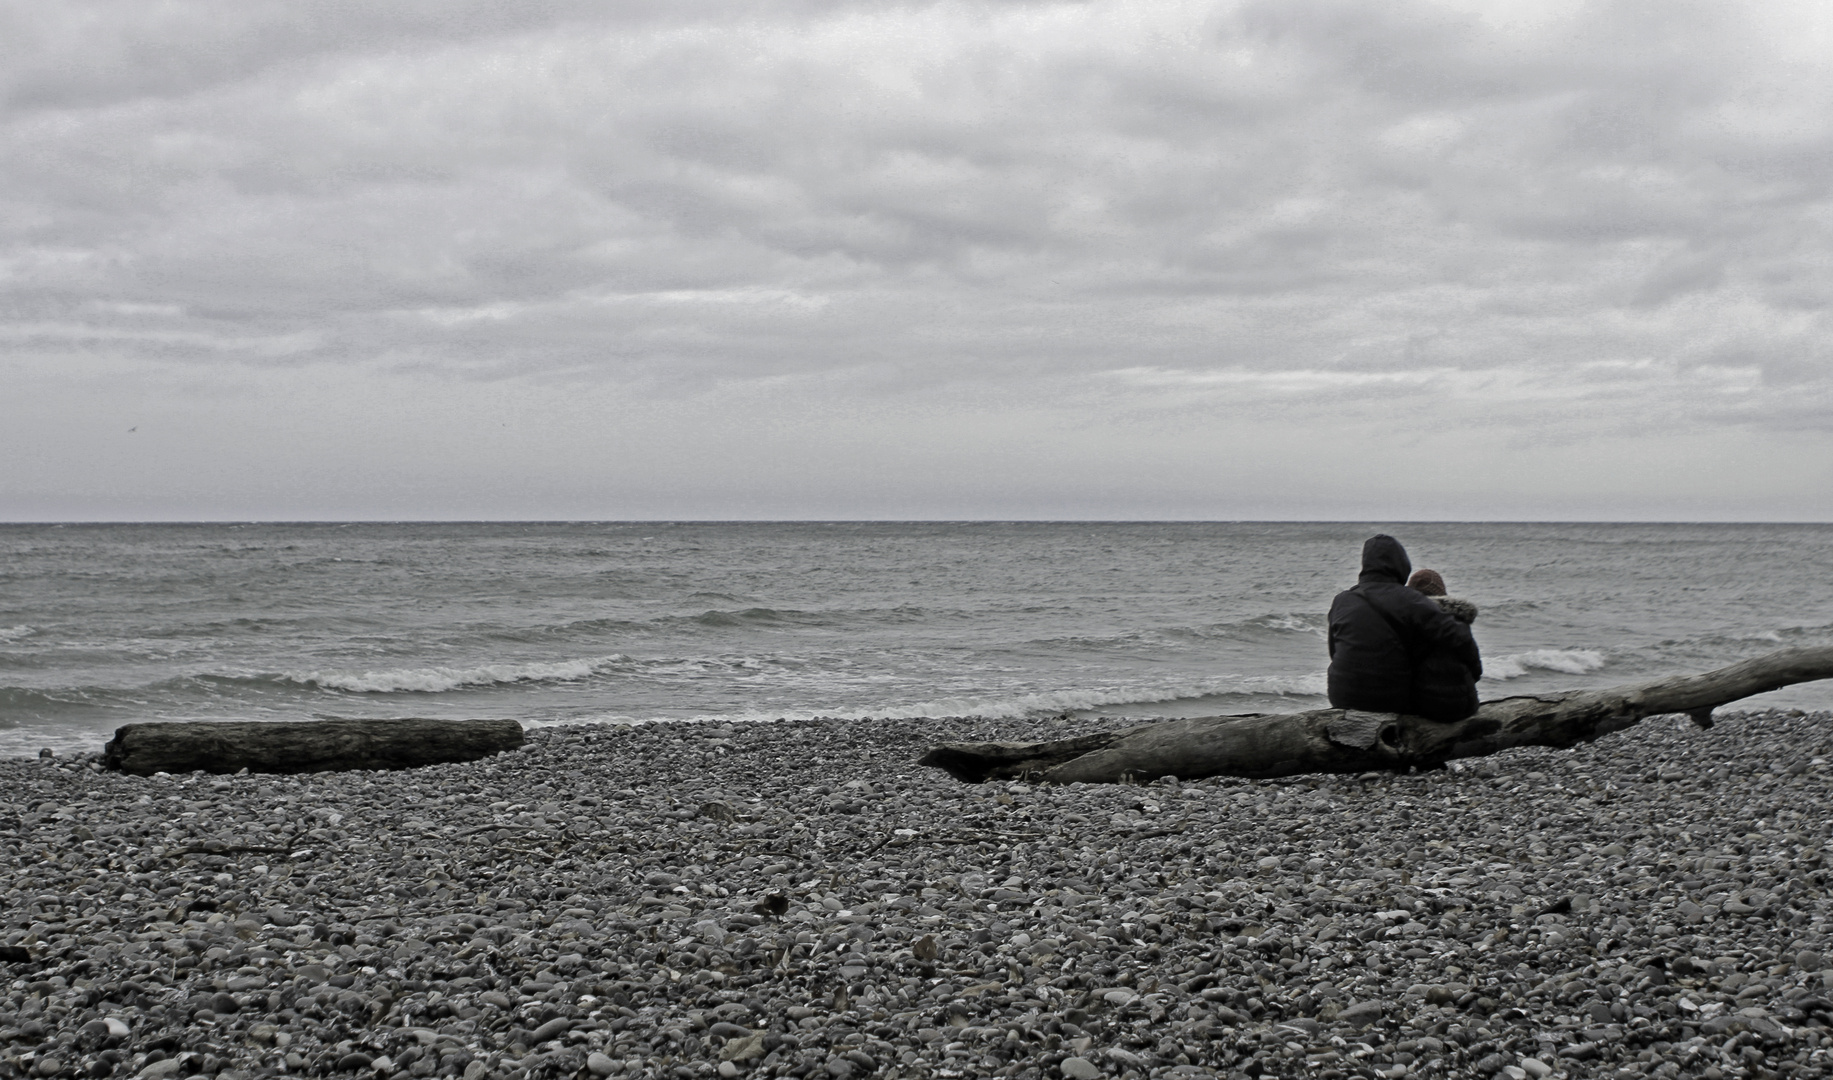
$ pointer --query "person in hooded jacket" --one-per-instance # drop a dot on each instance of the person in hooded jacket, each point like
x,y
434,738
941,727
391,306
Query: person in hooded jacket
x,y
1380,633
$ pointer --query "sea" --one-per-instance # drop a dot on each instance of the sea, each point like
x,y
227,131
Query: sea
x,y
659,622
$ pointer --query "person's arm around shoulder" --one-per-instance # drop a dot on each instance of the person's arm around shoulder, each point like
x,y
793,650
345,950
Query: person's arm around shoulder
x,y
1446,631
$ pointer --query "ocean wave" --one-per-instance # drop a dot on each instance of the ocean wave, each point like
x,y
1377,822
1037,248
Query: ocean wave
x,y
1564,661
1259,629
17,633
1290,623
434,680
1274,625
768,617
1218,692
23,701
1785,635
1217,696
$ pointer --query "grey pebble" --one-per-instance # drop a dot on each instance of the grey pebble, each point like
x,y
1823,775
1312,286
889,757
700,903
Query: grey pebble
x,y
755,899
553,1029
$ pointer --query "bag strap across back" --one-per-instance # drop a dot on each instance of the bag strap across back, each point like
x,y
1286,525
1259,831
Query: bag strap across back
x,y
1393,624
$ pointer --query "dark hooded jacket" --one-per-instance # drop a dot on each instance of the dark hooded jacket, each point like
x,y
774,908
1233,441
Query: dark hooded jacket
x,y
1382,632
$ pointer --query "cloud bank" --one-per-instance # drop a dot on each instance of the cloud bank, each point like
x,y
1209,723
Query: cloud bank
x,y
1151,259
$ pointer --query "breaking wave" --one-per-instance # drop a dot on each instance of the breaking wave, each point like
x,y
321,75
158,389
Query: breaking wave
x,y
434,680
1564,661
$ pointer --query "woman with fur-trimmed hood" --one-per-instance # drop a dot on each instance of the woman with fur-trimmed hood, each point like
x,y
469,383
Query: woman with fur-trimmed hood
x,y
1443,686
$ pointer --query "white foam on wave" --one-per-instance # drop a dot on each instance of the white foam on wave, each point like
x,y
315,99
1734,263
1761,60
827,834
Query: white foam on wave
x,y
1565,661
1294,624
436,680
16,633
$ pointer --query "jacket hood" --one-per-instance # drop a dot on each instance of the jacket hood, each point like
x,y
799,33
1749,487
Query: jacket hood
x,y
1383,559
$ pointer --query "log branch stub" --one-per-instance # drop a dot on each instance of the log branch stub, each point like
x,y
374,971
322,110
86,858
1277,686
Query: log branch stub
x,y
1259,746
305,746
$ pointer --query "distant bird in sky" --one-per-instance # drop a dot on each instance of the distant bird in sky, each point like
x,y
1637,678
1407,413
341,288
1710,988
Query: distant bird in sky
x,y
133,429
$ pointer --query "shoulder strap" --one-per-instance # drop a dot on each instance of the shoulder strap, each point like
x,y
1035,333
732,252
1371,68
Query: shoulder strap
x,y
1406,643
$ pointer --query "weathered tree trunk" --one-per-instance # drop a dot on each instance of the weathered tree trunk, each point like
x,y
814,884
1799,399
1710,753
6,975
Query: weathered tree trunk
x,y
1341,741
305,746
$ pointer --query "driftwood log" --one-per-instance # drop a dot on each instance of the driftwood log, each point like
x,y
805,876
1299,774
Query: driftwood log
x,y
1262,746
305,746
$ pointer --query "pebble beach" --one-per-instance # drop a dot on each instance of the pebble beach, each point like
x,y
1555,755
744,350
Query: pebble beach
x,y
800,899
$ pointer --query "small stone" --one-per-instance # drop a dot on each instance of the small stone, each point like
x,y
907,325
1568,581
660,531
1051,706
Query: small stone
x,y
159,1070
1079,1068
353,1061
477,1070
1490,1064
1536,1068
599,1064
49,1065
1363,1013
553,1029
745,1049
728,1070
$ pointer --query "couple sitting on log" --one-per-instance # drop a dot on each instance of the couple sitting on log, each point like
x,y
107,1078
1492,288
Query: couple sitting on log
x,y
1398,644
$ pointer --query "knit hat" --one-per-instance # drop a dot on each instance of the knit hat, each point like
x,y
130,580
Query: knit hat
x,y
1427,581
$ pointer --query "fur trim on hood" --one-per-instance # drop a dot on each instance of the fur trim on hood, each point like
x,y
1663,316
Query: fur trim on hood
x,y
1460,609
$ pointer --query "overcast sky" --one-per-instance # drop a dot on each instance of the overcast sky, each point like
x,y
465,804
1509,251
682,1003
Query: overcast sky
x,y
1153,259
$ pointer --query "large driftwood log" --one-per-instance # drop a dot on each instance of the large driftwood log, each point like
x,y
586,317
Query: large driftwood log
x,y
305,746
1339,741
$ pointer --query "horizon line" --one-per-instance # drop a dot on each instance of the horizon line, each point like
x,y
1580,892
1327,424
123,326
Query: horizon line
x,y
907,521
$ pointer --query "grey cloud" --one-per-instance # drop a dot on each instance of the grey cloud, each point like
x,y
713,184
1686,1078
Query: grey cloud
x,y
1559,224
